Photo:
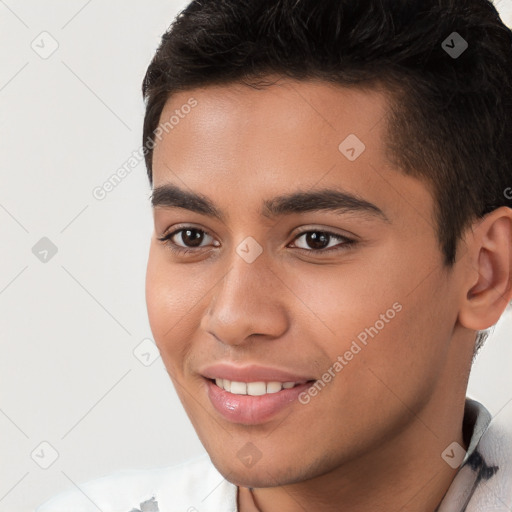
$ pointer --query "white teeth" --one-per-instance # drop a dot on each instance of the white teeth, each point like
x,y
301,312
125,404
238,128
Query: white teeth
x,y
253,388
274,387
256,388
238,388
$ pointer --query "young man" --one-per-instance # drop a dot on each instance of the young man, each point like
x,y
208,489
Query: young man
x,y
333,235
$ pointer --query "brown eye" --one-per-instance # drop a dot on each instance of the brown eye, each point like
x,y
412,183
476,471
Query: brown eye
x,y
317,240
320,241
191,237
186,240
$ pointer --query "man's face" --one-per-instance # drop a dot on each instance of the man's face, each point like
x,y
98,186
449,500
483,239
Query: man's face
x,y
354,298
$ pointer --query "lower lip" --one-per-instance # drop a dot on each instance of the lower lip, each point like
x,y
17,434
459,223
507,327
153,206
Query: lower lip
x,y
252,410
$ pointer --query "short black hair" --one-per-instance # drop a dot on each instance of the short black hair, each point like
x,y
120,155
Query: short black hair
x,y
450,119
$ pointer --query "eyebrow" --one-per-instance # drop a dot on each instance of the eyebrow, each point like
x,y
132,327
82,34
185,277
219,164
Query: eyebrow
x,y
330,200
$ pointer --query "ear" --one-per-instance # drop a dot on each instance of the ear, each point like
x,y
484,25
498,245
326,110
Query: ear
x,y
488,281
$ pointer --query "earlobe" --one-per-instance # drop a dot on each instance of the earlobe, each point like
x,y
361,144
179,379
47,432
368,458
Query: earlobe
x,y
489,282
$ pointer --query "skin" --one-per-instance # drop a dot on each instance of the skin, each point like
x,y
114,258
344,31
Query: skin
x,y
372,438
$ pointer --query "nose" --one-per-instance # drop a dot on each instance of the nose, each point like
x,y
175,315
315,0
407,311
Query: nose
x,y
246,302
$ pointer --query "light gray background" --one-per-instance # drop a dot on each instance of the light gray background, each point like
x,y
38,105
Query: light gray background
x,y
69,327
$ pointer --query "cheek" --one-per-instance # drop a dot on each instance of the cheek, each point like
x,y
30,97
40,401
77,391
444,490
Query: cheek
x,y
175,299
378,311
156,295
402,359
343,302
166,300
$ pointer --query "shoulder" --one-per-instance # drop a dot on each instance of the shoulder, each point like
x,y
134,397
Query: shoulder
x,y
189,487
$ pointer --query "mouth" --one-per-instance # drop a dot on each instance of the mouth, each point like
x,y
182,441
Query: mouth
x,y
253,403
258,388
252,394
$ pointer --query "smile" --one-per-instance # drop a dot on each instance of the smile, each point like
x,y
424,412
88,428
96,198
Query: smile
x,y
253,388
252,403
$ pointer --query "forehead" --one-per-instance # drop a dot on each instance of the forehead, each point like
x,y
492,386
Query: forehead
x,y
269,123
250,144
283,105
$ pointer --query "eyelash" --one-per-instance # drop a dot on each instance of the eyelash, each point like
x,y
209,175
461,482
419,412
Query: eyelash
x,y
347,242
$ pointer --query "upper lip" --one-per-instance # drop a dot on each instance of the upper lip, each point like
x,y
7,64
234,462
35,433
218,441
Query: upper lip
x,y
251,373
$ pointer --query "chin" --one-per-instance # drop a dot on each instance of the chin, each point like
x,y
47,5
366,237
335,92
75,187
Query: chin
x,y
256,479
261,475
